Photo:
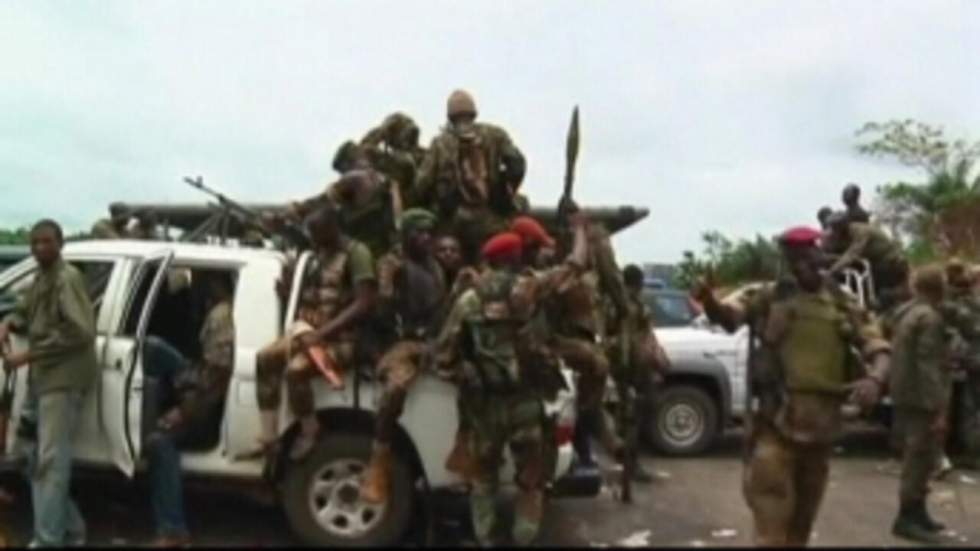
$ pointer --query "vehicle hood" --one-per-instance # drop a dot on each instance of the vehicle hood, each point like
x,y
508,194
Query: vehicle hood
x,y
684,338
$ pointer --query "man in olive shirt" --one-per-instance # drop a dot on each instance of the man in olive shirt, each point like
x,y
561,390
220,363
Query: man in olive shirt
x,y
889,268
920,390
59,322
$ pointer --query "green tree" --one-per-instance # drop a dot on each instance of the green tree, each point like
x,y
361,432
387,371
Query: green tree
x,y
19,236
732,262
938,215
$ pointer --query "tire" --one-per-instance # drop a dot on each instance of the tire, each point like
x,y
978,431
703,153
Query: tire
x,y
683,421
338,462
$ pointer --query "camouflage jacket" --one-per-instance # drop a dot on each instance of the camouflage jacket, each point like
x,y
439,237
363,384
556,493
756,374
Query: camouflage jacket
x,y
962,313
410,294
920,374
479,167
871,244
217,354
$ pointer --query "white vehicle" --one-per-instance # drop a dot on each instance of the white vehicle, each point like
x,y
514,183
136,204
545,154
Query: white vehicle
x,y
704,392
134,292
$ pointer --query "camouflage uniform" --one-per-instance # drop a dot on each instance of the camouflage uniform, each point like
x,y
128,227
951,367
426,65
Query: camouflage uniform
x,y
503,411
962,310
328,287
889,268
392,149
804,363
920,389
469,178
575,312
634,357
369,204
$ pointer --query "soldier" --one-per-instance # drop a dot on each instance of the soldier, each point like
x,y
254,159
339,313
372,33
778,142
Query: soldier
x,y
506,410
801,369
369,203
889,268
393,149
411,290
635,364
119,226
963,305
823,216
576,315
163,361
470,176
337,294
920,390
449,254
851,197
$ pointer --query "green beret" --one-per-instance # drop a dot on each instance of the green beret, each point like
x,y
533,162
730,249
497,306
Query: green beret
x,y
417,219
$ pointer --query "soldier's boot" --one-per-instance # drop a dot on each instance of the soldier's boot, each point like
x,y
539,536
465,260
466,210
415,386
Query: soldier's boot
x,y
374,485
309,429
925,519
910,527
460,461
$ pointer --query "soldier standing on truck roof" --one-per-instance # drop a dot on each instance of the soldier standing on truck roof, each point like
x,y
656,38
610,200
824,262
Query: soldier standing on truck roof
x,y
920,390
480,339
411,291
804,371
393,149
889,268
634,365
471,176
337,294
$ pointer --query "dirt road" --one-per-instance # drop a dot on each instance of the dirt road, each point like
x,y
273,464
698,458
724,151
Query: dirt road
x,y
694,502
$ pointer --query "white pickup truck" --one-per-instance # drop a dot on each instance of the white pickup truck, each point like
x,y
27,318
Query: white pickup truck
x,y
704,392
131,283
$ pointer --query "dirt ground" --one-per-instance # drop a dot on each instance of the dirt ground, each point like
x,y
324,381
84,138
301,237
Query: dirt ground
x,y
693,502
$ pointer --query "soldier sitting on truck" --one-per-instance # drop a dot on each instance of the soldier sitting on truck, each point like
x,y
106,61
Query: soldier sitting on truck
x,y
337,295
411,290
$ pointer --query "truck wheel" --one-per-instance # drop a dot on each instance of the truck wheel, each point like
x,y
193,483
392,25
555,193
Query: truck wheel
x,y
684,421
321,496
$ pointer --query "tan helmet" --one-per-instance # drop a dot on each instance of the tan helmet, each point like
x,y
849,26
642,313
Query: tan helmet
x,y
460,103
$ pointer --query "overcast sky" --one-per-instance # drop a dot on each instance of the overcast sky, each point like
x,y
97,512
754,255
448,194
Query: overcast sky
x,y
736,116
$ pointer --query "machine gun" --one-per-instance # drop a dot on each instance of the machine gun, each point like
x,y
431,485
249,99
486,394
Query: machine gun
x,y
293,234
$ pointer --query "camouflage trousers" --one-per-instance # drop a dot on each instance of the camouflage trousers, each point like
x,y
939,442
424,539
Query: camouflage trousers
x,y
921,452
398,367
589,360
281,358
783,484
516,422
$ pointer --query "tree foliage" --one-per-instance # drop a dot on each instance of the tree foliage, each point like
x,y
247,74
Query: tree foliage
x,y
18,236
938,216
732,262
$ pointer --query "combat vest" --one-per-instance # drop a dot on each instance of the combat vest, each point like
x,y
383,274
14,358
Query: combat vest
x,y
324,291
419,297
492,337
810,336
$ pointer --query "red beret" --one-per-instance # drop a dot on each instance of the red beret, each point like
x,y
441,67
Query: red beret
x,y
531,231
800,236
503,246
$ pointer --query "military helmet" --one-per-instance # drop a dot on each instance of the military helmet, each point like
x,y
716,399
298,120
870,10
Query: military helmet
x,y
460,103
345,157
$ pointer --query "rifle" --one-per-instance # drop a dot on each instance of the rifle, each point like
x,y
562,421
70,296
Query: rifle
x,y
290,231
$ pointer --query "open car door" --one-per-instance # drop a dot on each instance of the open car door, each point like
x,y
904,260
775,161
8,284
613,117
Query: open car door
x,y
302,264
121,399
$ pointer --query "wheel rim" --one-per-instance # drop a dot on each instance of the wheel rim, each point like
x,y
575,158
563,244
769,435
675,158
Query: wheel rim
x,y
681,424
335,500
